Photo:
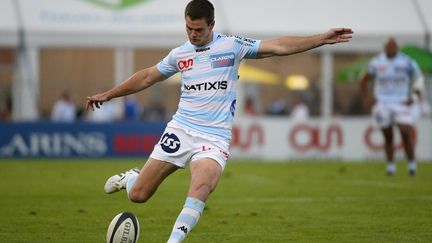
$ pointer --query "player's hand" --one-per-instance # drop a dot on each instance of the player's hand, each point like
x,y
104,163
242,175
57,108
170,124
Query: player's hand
x,y
337,35
96,101
368,102
408,102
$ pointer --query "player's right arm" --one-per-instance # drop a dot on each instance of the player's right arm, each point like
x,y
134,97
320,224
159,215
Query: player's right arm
x,y
137,82
367,99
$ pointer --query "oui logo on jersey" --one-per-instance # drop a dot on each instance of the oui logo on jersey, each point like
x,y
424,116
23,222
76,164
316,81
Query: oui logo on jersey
x,y
170,143
185,65
381,68
222,60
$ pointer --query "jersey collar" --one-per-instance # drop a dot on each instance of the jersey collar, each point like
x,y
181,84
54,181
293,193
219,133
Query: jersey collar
x,y
214,37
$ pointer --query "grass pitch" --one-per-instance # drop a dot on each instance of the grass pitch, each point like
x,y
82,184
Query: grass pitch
x,y
63,201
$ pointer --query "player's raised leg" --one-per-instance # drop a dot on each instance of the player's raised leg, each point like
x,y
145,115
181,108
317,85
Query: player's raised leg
x,y
205,174
151,176
118,182
141,186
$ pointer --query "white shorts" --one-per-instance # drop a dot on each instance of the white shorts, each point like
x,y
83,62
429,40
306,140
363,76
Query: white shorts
x,y
390,114
179,147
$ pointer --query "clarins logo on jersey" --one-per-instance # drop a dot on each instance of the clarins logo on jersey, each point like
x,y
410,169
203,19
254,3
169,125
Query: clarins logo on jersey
x,y
222,60
401,69
206,86
185,65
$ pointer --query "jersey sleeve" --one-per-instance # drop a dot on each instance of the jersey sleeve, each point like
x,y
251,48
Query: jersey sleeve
x,y
248,48
372,67
417,77
168,65
414,68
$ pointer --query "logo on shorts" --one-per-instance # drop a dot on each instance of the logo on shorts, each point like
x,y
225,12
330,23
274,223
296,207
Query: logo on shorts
x,y
170,143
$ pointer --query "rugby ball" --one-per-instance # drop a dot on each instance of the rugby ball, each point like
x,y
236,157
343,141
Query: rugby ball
x,y
124,228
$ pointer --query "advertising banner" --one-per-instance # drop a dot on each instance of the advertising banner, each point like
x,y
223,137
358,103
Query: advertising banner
x,y
258,138
46,139
348,139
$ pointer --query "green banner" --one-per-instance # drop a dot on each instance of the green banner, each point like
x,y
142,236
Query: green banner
x,y
116,4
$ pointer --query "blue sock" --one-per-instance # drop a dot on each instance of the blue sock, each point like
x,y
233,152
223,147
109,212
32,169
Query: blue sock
x,y
187,219
130,182
412,165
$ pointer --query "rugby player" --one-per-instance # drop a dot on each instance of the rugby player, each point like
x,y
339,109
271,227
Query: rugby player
x,y
398,80
200,131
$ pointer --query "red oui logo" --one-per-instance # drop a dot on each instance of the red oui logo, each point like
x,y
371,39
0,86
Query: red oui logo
x,y
313,137
245,138
185,64
372,144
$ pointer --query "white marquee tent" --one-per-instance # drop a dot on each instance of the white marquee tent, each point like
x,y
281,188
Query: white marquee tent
x,y
425,7
8,25
160,23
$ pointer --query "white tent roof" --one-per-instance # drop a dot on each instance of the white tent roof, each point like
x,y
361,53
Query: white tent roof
x,y
156,23
8,24
160,23
372,21
425,7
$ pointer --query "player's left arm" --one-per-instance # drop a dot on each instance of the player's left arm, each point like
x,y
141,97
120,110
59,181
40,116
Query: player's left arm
x,y
418,84
288,45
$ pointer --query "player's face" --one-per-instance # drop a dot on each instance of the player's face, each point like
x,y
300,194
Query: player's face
x,y
198,31
391,48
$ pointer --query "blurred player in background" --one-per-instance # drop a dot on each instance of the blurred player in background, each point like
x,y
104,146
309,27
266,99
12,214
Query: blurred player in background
x,y
64,109
200,130
398,82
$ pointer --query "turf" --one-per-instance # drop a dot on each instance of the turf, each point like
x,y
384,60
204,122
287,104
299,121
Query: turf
x,y
63,201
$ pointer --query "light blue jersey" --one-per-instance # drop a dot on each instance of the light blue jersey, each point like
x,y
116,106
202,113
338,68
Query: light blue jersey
x,y
209,80
393,77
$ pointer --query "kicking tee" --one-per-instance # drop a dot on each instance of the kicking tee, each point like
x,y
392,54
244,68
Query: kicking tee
x,y
393,77
209,79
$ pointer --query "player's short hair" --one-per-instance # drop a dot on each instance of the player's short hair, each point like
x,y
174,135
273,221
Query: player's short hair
x,y
200,9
